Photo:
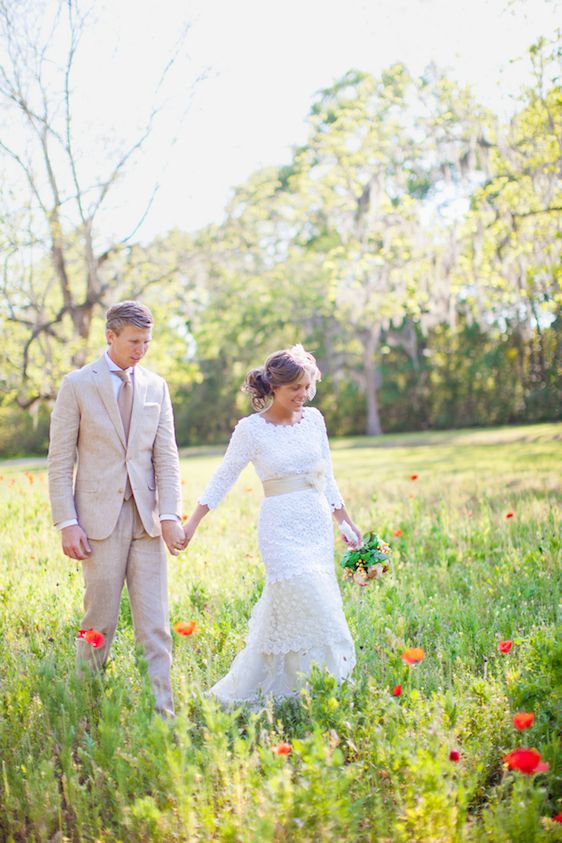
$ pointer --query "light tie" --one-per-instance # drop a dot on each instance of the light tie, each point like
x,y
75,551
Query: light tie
x,y
125,404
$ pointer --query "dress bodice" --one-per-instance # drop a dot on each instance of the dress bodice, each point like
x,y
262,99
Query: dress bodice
x,y
275,451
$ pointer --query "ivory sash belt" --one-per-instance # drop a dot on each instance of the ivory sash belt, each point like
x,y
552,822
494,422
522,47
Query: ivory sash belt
x,y
294,483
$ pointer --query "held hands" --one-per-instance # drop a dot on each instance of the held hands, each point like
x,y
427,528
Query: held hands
x,y
172,533
75,542
190,526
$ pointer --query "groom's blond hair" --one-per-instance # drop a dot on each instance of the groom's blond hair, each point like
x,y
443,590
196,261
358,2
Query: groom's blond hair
x,y
128,313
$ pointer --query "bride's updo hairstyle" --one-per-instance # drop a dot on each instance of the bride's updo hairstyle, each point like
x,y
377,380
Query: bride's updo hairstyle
x,y
280,368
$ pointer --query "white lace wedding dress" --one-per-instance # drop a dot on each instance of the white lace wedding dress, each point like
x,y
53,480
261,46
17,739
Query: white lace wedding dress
x,y
298,620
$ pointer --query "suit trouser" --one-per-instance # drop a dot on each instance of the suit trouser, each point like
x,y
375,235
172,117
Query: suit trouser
x,y
130,555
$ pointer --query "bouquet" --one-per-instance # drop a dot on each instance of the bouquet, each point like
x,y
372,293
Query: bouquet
x,y
368,562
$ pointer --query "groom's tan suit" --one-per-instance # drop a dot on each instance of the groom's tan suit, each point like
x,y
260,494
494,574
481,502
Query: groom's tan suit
x,y
124,535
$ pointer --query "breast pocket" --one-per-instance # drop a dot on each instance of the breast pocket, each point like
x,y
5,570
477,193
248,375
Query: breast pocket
x,y
150,418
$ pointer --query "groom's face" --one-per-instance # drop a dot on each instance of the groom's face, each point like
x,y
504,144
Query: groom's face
x,y
129,346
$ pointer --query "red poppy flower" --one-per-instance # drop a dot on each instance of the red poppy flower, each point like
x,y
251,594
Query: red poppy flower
x,y
94,638
454,755
509,514
282,749
557,818
413,655
505,646
526,761
185,627
523,720
397,691
398,533
414,476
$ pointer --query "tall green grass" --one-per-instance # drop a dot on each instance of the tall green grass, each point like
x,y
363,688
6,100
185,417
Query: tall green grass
x,y
88,761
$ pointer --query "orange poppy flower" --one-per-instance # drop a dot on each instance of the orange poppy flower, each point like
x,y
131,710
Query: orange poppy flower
x,y
94,638
414,476
413,655
397,691
398,533
282,748
526,761
185,627
505,646
523,720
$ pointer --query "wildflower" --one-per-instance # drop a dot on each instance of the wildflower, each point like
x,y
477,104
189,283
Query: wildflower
x,y
185,627
509,514
398,533
523,720
184,517
397,691
526,761
414,476
557,818
413,655
454,755
282,748
94,638
505,646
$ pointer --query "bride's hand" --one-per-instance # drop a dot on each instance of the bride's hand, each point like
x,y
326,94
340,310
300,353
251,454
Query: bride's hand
x,y
353,544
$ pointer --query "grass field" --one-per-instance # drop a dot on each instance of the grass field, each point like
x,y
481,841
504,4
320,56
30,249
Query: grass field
x,y
87,761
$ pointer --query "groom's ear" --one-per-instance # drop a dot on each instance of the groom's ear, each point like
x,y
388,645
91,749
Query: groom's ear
x,y
109,335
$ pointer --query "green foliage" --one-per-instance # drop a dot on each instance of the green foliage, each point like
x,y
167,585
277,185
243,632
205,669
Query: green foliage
x,y
412,243
86,759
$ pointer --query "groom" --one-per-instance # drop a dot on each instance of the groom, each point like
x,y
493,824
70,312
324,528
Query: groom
x,y
114,420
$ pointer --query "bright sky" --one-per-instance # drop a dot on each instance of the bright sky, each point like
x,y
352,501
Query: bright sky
x,y
265,59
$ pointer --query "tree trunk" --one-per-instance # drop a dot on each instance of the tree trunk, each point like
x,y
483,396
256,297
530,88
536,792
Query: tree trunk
x,y
371,340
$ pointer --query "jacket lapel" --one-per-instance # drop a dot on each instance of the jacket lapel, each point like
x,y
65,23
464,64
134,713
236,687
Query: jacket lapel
x,y
102,378
139,398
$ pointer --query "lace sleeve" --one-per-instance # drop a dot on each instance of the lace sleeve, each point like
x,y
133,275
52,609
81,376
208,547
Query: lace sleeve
x,y
237,456
331,489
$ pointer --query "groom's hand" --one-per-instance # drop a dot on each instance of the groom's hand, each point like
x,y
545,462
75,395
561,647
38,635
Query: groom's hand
x,y
172,533
75,542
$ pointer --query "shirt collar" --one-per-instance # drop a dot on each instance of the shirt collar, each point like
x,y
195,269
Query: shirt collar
x,y
113,367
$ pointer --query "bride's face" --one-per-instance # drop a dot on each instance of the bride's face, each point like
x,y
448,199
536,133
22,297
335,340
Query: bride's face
x,y
291,396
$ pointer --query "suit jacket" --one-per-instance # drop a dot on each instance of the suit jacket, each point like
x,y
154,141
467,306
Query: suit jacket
x,y
86,429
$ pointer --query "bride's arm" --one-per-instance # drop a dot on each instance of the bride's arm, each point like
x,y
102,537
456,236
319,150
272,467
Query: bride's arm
x,y
333,495
193,522
237,456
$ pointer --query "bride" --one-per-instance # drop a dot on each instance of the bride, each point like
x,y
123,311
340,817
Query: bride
x,y
298,620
